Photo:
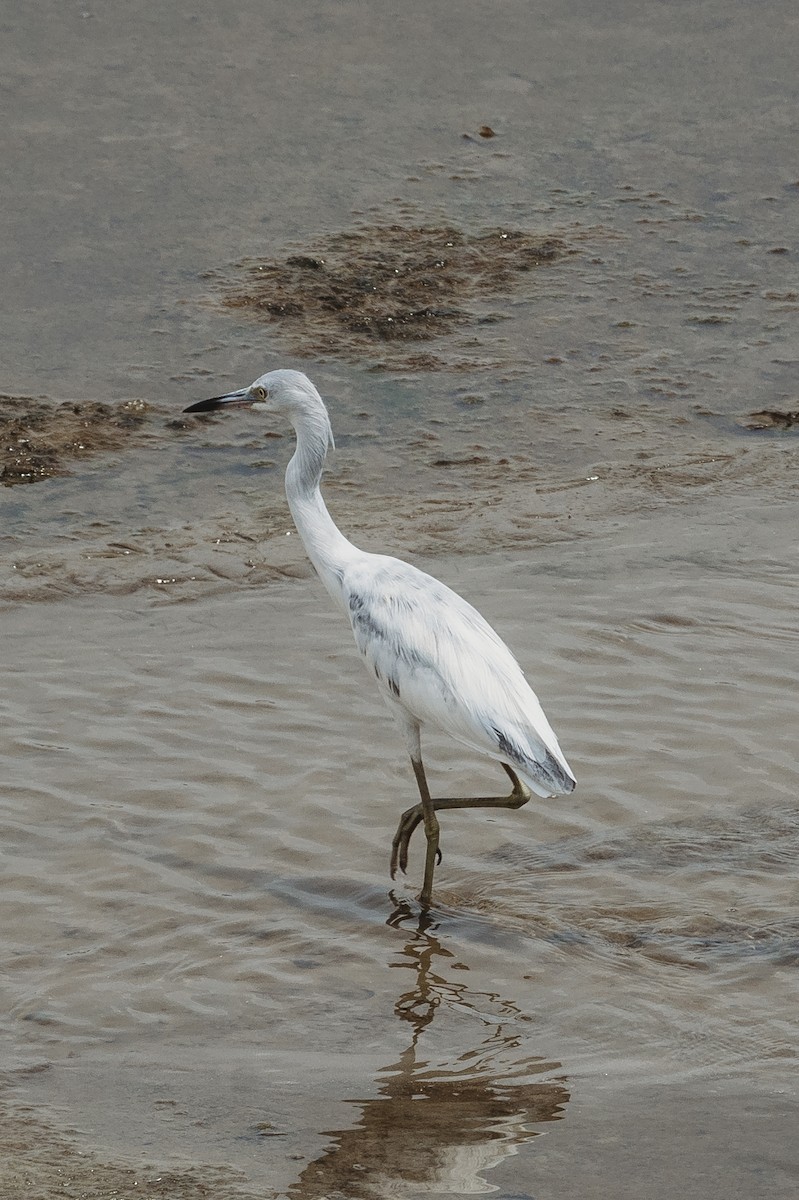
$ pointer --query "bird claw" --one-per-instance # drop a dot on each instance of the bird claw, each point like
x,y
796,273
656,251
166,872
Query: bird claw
x,y
402,838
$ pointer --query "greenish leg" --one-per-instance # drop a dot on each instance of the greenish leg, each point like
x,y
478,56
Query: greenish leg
x,y
425,812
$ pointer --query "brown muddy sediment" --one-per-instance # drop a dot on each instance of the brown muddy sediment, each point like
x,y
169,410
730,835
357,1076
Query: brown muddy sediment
x,y
40,438
39,1162
380,289
772,418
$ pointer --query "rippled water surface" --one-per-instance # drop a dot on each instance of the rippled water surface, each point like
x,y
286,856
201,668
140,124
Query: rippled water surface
x,y
211,985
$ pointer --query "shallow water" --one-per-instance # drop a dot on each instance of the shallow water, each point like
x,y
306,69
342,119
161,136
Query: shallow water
x,y
207,968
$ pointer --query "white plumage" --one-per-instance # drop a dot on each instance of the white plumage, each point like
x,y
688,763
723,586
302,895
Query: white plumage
x,y
434,657
439,659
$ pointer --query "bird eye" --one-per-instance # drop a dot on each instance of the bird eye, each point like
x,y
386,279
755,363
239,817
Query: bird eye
x,y
259,393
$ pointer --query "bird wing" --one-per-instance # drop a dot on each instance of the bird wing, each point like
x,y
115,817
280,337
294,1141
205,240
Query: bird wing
x,y
434,653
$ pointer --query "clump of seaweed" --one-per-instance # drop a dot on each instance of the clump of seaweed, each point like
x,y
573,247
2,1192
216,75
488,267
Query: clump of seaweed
x,y
353,292
772,418
38,438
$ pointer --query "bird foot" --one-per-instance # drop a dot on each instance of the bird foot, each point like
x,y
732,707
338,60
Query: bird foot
x,y
412,817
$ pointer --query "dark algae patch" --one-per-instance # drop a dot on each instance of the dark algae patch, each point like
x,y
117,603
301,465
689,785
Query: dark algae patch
x,y
387,286
38,438
772,418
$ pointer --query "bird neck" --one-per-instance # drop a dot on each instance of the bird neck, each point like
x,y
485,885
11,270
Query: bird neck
x,y
327,548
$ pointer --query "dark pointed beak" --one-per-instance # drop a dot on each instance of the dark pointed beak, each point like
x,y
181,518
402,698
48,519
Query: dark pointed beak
x,y
240,399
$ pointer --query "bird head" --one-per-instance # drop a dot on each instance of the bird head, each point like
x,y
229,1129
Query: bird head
x,y
278,391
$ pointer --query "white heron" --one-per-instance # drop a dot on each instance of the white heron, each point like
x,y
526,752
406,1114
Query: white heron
x,y
435,659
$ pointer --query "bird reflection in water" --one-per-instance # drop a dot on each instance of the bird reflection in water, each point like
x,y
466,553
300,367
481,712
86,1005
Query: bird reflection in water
x,y
438,1128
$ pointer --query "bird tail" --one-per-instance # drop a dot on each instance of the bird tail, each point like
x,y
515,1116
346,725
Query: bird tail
x,y
542,767
552,777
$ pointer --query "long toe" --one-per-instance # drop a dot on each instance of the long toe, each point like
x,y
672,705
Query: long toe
x,y
404,845
408,822
399,846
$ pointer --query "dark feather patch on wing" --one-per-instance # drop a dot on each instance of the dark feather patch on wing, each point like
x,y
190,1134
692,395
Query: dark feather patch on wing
x,y
365,625
361,617
550,768
507,747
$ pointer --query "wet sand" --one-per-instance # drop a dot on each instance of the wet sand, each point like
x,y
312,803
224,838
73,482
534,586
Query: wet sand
x,y
211,986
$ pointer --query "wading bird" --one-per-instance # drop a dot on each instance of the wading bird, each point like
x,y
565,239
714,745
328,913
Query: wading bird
x,y
435,659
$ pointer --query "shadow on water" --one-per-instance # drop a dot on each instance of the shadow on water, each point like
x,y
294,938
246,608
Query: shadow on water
x,y
438,1126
